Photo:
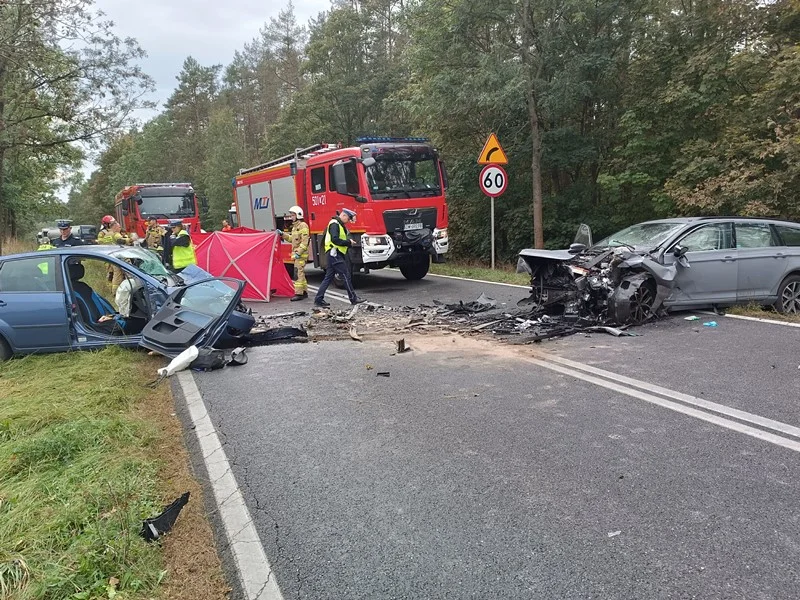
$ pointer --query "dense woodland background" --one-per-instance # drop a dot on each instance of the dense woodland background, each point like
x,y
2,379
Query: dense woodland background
x,y
612,111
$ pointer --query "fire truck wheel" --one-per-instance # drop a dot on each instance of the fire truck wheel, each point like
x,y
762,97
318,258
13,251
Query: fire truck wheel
x,y
417,269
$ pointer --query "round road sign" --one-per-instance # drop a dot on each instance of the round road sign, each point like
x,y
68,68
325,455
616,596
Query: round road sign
x,y
493,180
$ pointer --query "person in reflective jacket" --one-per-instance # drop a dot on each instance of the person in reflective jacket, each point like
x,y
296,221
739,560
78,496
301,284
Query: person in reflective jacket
x,y
182,249
335,246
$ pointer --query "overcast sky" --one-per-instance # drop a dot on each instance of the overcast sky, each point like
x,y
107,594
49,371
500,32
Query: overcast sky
x,y
209,30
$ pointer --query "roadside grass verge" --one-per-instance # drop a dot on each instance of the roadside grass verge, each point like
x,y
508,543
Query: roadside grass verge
x,y
502,274
87,452
16,246
760,312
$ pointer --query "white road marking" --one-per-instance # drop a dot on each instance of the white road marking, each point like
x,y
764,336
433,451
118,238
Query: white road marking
x,y
759,320
659,401
334,295
681,397
255,573
513,285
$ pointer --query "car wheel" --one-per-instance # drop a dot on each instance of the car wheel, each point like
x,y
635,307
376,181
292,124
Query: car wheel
x,y
789,296
5,350
642,303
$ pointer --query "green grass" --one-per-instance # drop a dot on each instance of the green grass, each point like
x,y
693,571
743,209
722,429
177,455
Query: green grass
x,y
755,310
502,274
15,246
76,477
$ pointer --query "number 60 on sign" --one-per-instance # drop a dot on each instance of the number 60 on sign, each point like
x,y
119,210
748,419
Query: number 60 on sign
x,y
493,180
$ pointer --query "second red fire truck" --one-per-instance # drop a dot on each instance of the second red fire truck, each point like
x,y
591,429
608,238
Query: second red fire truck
x,y
138,203
396,185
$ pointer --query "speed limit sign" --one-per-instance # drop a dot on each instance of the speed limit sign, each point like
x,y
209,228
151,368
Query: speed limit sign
x,y
493,180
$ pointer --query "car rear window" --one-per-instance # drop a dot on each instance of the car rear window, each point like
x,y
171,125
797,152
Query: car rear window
x,y
28,275
754,235
790,236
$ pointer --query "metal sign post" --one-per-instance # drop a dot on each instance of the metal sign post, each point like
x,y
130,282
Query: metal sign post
x,y
493,182
493,179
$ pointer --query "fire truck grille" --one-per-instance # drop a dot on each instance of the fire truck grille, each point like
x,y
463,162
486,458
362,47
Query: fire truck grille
x,y
409,222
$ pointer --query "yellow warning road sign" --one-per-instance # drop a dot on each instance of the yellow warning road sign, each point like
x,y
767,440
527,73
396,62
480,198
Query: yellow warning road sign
x,y
492,153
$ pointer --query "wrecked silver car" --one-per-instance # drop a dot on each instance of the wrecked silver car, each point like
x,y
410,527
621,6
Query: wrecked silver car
x,y
647,268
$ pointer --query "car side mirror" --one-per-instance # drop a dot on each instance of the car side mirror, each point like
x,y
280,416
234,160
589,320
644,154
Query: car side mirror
x,y
368,162
576,248
679,251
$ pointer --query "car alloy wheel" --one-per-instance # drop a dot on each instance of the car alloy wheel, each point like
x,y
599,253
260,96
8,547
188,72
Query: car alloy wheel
x,y
790,297
642,304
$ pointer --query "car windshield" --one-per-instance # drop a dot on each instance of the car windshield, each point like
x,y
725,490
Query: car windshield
x,y
403,172
144,260
167,206
641,236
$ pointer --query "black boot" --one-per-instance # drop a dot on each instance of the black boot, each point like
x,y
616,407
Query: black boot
x,y
298,297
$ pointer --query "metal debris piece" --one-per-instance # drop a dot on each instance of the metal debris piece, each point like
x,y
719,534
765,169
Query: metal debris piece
x,y
613,533
382,374
401,346
354,334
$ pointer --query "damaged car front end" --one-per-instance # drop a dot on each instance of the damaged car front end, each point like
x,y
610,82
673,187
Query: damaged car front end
x,y
615,281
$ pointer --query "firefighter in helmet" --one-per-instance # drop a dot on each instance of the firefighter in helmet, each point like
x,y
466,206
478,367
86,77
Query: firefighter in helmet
x,y
298,236
105,229
113,235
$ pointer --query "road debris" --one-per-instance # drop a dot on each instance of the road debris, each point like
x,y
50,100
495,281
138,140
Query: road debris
x,y
401,346
692,318
710,324
155,527
612,534
382,374
354,334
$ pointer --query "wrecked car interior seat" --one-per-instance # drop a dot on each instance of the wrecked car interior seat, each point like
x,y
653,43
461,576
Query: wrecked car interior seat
x,y
91,305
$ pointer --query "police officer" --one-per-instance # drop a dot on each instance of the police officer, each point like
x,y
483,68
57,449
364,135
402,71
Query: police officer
x,y
182,249
66,239
336,245
299,239
154,236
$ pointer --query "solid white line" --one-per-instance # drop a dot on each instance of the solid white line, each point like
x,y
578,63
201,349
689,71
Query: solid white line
x,y
686,410
255,573
771,321
699,402
513,285
334,295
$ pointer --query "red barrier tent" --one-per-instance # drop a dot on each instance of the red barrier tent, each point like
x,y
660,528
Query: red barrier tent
x,y
245,254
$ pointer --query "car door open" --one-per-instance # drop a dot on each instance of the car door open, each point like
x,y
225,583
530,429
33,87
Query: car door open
x,y
193,316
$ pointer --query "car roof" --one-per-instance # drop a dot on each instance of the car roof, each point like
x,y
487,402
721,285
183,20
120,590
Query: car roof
x,y
677,220
91,250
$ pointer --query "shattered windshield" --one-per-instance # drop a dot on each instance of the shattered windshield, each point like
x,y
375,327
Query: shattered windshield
x,y
167,206
401,172
144,260
641,236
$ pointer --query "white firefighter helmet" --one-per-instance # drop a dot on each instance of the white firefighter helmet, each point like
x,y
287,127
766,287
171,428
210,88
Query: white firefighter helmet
x,y
298,212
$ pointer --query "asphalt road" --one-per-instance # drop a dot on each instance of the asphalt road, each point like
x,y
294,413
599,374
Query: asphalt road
x,y
477,470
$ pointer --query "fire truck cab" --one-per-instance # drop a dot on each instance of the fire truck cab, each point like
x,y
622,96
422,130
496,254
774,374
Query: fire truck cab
x,y
395,185
138,203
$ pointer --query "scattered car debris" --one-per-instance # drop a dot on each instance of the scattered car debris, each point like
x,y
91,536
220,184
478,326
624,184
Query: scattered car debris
x,y
482,304
692,318
354,334
613,533
401,346
710,324
155,527
382,373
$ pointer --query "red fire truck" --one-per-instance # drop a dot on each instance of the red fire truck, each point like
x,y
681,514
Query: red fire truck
x,y
396,185
135,204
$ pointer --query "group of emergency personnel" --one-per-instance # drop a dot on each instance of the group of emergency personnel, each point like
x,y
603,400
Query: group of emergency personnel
x,y
177,249
336,243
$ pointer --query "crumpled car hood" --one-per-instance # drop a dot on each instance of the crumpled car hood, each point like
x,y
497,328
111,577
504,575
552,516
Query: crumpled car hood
x,y
560,255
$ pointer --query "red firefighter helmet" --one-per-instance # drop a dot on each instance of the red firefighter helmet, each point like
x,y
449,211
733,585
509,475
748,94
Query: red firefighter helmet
x,y
108,220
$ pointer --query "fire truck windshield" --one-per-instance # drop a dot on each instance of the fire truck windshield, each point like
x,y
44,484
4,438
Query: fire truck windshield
x,y
167,206
403,173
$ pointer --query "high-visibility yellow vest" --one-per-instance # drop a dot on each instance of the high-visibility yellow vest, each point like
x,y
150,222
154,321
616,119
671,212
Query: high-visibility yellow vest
x,y
342,234
183,256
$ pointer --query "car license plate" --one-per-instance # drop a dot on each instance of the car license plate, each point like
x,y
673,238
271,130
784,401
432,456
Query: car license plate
x,y
412,226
